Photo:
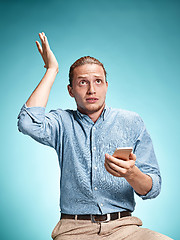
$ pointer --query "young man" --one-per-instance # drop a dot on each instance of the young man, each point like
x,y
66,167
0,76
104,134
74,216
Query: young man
x,y
97,189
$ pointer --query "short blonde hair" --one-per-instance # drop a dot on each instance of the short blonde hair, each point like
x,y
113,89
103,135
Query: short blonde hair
x,y
82,61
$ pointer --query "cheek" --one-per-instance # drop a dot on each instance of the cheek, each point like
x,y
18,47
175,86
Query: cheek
x,y
79,95
103,93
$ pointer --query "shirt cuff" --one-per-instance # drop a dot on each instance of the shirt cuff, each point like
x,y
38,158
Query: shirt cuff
x,y
156,187
36,113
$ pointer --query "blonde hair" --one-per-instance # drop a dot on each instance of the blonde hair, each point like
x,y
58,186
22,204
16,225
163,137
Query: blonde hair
x,y
82,61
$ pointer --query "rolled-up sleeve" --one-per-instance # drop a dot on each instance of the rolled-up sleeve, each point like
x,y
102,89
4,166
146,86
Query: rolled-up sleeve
x,y
147,162
42,127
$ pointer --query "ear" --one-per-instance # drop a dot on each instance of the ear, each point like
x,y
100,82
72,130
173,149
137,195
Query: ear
x,y
70,90
106,86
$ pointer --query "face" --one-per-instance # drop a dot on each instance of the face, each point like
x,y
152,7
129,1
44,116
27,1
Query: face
x,y
89,88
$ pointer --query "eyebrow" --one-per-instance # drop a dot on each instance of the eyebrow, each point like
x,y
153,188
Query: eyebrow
x,y
85,76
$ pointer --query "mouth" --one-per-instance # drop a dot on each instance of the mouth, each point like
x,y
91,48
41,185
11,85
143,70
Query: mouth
x,y
92,100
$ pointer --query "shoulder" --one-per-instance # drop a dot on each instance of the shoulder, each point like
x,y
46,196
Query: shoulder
x,y
125,114
61,114
127,118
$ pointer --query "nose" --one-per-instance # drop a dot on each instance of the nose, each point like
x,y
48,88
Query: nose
x,y
91,89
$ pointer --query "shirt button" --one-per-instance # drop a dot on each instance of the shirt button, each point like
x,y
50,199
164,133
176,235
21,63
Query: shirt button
x,y
94,148
101,205
95,188
95,168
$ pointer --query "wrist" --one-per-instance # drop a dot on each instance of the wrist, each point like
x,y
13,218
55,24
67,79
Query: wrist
x,y
53,70
141,182
133,174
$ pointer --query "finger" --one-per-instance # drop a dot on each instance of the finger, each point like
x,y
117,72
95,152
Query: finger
x,y
122,167
43,35
117,168
111,171
41,38
116,161
123,164
46,42
132,156
45,38
39,47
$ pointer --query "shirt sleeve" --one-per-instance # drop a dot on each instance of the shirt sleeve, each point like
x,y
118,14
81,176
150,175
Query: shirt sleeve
x,y
146,161
42,127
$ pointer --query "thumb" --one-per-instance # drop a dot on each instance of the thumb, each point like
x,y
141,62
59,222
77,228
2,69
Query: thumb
x,y
132,156
39,47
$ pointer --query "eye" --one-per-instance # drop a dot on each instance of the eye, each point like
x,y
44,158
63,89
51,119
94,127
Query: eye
x,y
98,81
83,82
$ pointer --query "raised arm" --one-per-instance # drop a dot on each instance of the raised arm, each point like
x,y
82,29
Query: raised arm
x,y
40,95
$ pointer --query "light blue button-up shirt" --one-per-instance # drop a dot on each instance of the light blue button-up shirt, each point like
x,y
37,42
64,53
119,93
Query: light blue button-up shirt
x,y
85,185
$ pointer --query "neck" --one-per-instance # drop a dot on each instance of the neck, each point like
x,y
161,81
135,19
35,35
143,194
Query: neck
x,y
93,115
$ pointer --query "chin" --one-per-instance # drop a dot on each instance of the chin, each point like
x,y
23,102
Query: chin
x,y
94,108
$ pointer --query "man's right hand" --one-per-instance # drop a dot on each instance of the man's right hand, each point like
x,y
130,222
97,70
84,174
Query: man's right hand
x,y
46,53
40,95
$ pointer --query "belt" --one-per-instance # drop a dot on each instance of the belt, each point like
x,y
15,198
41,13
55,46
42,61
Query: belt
x,y
97,218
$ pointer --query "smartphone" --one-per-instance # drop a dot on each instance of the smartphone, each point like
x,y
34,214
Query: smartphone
x,y
123,152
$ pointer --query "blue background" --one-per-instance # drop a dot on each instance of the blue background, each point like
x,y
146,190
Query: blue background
x,y
139,44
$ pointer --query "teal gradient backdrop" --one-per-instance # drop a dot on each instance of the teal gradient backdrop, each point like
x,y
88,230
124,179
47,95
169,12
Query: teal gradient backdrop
x,y
139,43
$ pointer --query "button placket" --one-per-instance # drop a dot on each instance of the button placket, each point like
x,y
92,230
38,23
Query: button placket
x,y
94,154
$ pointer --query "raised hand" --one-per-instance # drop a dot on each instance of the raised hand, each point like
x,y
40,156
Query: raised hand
x,y
46,53
40,95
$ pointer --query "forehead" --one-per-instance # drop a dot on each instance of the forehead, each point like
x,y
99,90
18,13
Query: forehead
x,y
87,70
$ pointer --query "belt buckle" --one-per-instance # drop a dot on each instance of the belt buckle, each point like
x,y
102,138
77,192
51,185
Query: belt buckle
x,y
103,221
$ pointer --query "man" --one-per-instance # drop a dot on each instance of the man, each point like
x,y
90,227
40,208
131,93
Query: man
x,y
97,189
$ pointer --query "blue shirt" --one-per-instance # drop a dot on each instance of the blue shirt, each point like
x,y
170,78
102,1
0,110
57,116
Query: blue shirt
x,y
85,185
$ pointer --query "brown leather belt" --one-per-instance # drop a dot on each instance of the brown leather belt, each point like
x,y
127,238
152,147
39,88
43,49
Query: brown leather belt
x,y
97,218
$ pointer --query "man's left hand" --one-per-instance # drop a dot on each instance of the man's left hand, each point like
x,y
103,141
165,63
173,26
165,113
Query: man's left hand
x,y
119,167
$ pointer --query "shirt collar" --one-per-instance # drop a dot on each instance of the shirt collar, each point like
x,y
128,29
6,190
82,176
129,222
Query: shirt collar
x,y
105,112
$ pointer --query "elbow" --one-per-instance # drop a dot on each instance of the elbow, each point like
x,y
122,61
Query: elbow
x,y
29,127
24,123
22,126
156,187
